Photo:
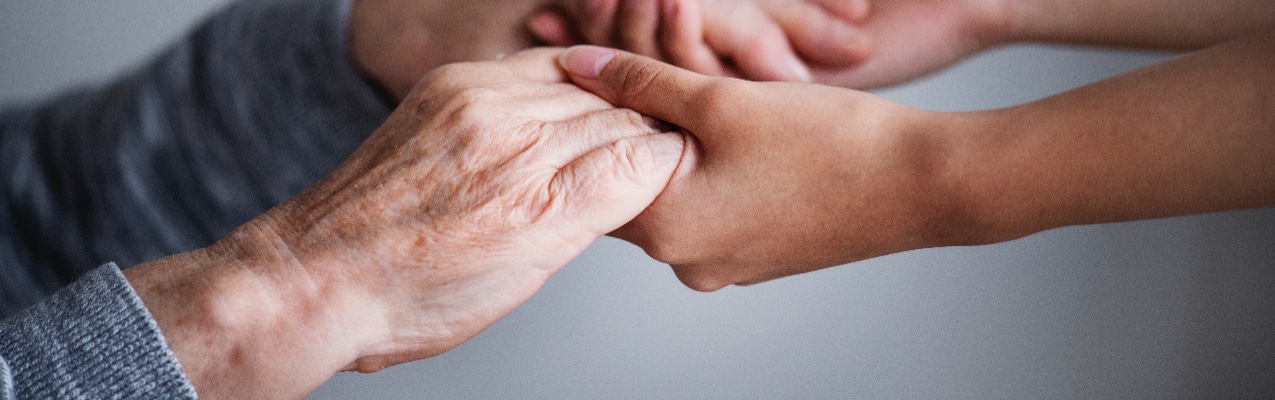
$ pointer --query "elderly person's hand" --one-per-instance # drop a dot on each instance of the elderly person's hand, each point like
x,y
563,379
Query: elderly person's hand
x,y
488,179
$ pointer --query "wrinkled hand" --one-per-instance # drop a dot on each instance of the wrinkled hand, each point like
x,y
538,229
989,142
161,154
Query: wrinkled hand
x,y
756,39
788,178
488,179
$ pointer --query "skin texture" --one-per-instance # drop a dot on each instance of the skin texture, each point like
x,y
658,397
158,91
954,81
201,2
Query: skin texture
x,y
781,183
766,40
849,43
1162,24
488,179
914,38
395,42
873,43
790,178
492,176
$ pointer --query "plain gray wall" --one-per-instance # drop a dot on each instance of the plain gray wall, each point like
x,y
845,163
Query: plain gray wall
x,y
1166,309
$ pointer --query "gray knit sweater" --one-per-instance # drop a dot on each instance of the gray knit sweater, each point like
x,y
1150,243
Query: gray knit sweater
x,y
249,109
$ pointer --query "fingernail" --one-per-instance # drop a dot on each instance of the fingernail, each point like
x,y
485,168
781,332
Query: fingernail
x,y
798,68
586,61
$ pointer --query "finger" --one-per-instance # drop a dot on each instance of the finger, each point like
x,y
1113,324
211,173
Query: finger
x,y
596,21
536,65
553,28
758,47
638,24
571,138
639,83
682,36
552,103
853,11
610,185
821,36
520,88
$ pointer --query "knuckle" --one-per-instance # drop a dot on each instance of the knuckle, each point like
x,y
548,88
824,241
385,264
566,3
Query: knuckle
x,y
445,77
469,105
700,278
628,161
720,97
669,248
638,78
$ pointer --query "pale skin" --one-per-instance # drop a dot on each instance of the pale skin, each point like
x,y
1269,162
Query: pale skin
x,y
488,179
790,178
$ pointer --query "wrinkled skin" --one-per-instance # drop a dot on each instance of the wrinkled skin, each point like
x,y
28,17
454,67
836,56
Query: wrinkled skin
x,y
488,179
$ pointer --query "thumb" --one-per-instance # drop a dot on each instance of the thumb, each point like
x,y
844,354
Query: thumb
x,y
642,84
610,185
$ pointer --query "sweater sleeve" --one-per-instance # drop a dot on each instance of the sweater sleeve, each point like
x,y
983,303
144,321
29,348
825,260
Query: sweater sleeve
x,y
254,105
92,339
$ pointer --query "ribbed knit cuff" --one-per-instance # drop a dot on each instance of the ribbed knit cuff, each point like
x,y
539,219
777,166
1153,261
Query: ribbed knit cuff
x,y
92,339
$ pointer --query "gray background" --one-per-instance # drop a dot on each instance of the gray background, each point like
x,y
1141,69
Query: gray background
x,y
1176,308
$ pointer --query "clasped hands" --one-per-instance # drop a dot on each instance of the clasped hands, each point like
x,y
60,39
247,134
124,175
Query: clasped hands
x,y
490,177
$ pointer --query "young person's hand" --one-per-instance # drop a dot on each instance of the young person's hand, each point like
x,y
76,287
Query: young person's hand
x,y
789,178
786,178
768,40
913,38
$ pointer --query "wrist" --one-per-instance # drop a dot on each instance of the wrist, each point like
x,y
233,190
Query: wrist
x,y
956,204
938,205
242,321
987,200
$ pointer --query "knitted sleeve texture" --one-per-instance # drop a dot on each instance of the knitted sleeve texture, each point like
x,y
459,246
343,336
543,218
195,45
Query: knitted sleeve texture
x,y
250,108
255,104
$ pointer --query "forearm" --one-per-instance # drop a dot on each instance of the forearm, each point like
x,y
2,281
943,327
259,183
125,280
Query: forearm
x,y
247,321
1192,135
1166,24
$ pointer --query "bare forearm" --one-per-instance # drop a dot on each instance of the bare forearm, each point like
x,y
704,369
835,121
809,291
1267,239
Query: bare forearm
x,y
1169,24
244,324
1192,135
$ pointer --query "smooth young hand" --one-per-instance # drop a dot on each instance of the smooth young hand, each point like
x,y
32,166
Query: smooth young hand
x,y
766,40
787,177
